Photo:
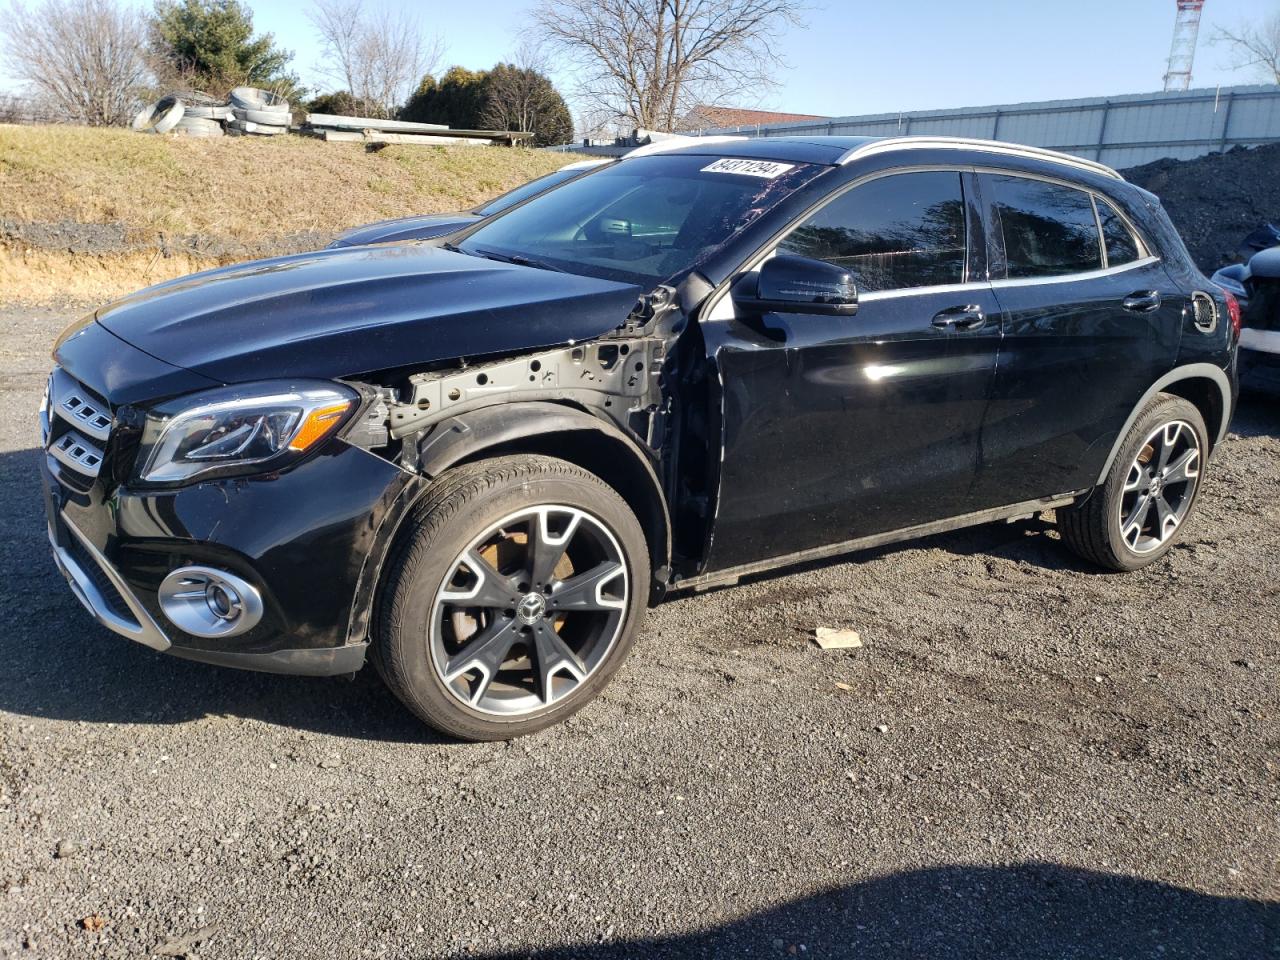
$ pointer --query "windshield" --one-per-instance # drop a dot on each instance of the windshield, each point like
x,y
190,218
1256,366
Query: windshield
x,y
530,189
641,220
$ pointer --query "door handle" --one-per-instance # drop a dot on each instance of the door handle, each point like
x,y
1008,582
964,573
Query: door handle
x,y
968,317
1142,301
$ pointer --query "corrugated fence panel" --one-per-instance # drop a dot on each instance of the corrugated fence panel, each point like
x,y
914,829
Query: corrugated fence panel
x,y
1120,131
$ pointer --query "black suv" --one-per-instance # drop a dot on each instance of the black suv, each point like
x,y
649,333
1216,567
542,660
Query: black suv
x,y
477,460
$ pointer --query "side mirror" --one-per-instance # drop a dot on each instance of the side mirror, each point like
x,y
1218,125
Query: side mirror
x,y
789,284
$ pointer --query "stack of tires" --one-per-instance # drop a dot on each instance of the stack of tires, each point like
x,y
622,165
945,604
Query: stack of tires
x,y
249,112
257,112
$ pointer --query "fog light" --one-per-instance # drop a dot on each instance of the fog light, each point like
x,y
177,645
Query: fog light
x,y
210,603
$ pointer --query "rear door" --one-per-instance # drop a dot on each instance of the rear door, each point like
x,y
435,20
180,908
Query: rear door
x,y
842,427
1090,320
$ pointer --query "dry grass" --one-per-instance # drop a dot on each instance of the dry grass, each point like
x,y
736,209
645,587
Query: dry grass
x,y
187,204
244,189
40,276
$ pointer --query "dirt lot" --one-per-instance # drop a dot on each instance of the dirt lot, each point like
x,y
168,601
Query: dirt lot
x,y
1027,759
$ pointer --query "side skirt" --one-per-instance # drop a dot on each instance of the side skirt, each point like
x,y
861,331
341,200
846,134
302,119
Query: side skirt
x,y
1016,511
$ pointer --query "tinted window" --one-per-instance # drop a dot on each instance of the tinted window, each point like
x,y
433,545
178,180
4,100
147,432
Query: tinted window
x,y
1049,230
640,220
895,232
530,189
1122,245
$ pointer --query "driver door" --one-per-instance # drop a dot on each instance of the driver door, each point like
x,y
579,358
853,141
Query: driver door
x,y
837,428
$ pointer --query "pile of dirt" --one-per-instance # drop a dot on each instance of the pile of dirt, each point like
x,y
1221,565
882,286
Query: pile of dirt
x,y
1216,199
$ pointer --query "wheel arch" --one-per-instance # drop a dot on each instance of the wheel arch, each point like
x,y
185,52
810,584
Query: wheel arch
x,y
1204,385
568,433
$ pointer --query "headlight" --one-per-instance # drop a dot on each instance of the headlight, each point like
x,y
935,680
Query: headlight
x,y
242,429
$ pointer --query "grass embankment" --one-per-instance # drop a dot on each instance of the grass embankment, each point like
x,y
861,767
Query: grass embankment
x,y
92,213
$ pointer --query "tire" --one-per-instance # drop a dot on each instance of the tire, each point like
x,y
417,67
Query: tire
x,y
253,98
207,112
1103,528
427,629
197,127
160,117
272,118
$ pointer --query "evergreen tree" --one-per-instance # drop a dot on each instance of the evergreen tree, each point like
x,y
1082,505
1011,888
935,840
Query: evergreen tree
x,y
209,45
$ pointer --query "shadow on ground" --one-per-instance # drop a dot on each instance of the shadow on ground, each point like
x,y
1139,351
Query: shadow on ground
x,y
1026,912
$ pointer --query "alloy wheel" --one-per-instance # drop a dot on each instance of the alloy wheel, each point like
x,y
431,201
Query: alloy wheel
x,y
529,611
1160,486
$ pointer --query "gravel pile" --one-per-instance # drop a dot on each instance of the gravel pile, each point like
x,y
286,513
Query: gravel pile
x,y
1216,199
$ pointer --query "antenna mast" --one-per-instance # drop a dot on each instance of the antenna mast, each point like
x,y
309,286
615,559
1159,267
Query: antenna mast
x,y
1183,52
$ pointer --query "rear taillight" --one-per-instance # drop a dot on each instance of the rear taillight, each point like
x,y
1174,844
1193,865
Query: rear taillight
x,y
1233,311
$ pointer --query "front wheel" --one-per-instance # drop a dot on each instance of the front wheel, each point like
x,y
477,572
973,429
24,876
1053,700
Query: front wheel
x,y
1138,513
512,597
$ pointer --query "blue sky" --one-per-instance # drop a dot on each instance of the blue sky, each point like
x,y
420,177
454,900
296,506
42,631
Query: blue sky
x,y
880,56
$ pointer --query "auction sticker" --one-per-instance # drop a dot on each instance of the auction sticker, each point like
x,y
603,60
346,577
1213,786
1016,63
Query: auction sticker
x,y
767,169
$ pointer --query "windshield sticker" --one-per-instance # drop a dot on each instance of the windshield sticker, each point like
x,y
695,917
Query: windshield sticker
x,y
766,169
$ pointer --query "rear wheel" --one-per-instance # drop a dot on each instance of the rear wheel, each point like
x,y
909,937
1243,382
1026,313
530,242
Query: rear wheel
x,y
513,596
1138,513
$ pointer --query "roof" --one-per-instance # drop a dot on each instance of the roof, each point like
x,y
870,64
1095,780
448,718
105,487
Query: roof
x,y
709,116
827,150
842,150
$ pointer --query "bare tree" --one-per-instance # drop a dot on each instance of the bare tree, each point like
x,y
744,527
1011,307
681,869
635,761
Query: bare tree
x,y
84,57
520,96
648,62
1254,47
376,54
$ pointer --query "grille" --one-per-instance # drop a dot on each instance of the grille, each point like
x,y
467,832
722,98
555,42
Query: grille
x,y
79,426
1204,311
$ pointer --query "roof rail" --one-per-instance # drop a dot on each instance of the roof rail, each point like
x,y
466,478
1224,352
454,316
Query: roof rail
x,y
676,141
966,143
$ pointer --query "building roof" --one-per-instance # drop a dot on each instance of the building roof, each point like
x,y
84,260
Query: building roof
x,y
720,117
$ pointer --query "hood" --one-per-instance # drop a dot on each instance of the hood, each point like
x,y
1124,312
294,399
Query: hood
x,y
405,228
346,312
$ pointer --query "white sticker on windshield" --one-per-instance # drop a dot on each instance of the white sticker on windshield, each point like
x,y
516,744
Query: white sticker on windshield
x,y
768,169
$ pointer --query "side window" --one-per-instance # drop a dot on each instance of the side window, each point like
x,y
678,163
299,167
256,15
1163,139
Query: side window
x,y
1122,245
1049,230
892,233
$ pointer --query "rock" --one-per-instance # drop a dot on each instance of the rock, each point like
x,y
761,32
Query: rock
x,y
829,638
882,728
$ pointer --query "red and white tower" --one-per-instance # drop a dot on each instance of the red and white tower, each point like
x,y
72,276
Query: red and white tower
x,y
1186,28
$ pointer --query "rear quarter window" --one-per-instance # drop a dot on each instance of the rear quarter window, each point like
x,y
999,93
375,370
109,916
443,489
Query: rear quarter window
x,y
1122,246
1049,229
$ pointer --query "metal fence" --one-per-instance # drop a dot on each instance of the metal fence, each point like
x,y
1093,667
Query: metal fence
x,y
1119,131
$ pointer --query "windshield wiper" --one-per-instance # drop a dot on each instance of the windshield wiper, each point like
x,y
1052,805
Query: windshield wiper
x,y
519,260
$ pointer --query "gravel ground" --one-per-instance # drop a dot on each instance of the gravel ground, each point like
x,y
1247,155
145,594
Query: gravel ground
x,y
1026,759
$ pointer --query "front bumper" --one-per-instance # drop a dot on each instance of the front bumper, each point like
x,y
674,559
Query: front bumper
x,y
309,540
